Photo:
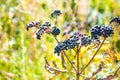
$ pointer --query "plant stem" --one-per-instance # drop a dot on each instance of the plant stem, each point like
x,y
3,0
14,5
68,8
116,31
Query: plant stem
x,y
117,70
77,73
92,57
63,52
56,20
70,61
56,39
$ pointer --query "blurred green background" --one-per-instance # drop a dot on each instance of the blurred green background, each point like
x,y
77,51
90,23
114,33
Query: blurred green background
x,y
22,55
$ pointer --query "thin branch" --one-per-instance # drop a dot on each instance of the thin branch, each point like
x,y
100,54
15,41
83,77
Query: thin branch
x,y
92,57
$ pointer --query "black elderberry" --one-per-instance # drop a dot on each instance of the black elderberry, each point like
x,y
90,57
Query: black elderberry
x,y
86,40
32,24
56,13
76,36
38,36
46,24
55,31
96,30
116,20
106,31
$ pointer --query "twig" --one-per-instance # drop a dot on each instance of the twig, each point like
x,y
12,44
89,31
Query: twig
x,y
92,57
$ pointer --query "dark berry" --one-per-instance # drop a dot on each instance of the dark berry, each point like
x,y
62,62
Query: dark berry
x,y
106,31
56,13
38,36
86,40
116,20
96,30
32,24
46,24
55,31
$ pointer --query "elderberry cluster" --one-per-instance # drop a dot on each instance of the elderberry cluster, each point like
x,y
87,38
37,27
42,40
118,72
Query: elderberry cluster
x,y
116,20
41,30
32,24
46,24
55,31
104,31
76,36
56,13
77,39
65,45
85,40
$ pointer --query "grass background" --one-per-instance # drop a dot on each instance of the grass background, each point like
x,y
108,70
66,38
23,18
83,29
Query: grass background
x,y
22,55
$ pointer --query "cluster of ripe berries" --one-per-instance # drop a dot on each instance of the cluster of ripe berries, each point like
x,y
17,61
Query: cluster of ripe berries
x,y
32,24
77,39
104,31
56,13
44,28
116,20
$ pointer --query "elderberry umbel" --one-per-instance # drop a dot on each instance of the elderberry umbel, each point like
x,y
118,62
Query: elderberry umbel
x,y
67,44
46,24
42,30
104,31
56,13
77,39
55,31
32,24
116,20
85,40
76,36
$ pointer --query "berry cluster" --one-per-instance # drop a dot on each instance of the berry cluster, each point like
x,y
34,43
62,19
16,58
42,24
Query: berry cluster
x,y
41,31
76,36
32,24
77,39
46,24
66,28
116,20
67,44
85,40
104,31
55,31
56,13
